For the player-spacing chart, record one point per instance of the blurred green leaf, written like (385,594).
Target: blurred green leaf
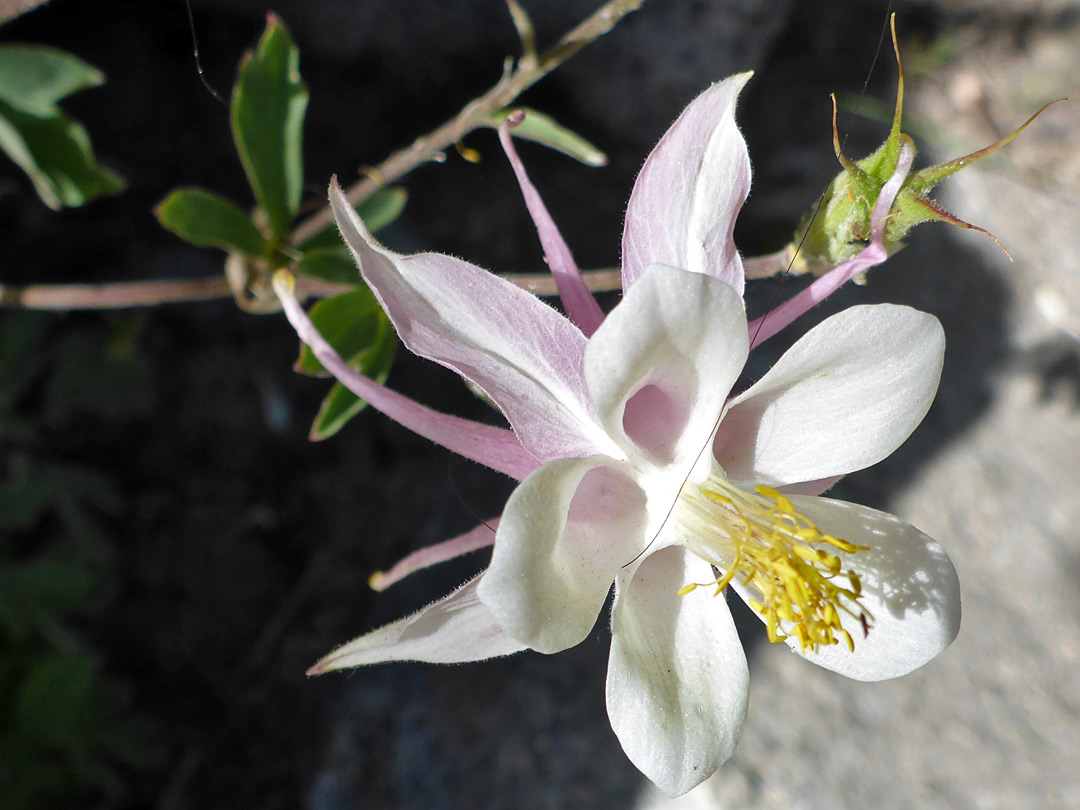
(377,211)
(31,487)
(360,332)
(58,584)
(206,219)
(55,153)
(267,117)
(55,703)
(34,78)
(335,265)
(546,130)
(95,376)
(53,149)
(20,353)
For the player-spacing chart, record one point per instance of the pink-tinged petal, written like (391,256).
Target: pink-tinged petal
(456,629)
(493,447)
(811,487)
(845,396)
(873,254)
(677,682)
(480,537)
(579,303)
(565,532)
(683,207)
(522,353)
(909,585)
(661,365)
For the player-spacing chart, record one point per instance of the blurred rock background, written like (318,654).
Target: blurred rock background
(237,553)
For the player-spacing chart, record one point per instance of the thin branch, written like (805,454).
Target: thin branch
(122,295)
(126,295)
(476,113)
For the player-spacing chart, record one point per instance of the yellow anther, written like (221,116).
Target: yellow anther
(761,537)
(848,639)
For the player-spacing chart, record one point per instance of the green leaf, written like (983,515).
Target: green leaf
(34,78)
(267,117)
(351,322)
(335,265)
(360,332)
(377,211)
(546,130)
(341,404)
(206,219)
(55,153)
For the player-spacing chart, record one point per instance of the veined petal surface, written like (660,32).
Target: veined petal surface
(565,532)
(845,396)
(677,682)
(453,630)
(684,203)
(661,365)
(521,352)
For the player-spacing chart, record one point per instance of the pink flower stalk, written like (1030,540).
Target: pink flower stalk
(639,470)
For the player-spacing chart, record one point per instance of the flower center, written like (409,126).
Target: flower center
(760,538)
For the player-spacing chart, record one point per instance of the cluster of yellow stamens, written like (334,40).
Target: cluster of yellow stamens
(777,552)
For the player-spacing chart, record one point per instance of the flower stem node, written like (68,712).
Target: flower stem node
(840,226)
(793,567)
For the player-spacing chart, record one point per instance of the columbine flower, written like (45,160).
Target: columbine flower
(637,469)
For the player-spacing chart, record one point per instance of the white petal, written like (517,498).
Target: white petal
(455,629)
(661,365)
(683,207)
(565,532)
(909,585)
(843,397)
(677,682)
(521,352)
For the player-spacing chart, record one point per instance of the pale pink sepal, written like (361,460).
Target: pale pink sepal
(522,353)
(480,537)
(579,303)
(497,448)
(453,630)
(873,254)
(683,207)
